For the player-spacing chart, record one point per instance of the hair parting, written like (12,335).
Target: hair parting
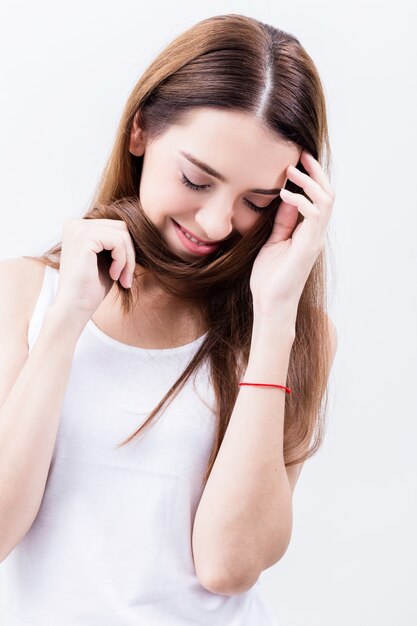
(205,66)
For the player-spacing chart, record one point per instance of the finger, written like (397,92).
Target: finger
(285,221)
(312,188)
(302,203)
(105,240)
(121,224)
(130,267)
(316,172)
(312,229)
(119,255)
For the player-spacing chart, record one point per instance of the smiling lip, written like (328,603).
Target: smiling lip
(199,249)
(209,243)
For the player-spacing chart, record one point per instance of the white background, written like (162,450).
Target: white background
(66,72)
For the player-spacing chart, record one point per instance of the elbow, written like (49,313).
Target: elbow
(236,573)
(219,582)
(226,587)
(281,548)
(274,552)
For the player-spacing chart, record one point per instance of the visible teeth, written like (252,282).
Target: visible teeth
(192,238)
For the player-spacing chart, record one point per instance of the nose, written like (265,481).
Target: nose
(215,221)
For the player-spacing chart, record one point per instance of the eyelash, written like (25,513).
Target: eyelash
(254,207)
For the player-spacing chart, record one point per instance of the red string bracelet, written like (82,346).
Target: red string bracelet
(287,389)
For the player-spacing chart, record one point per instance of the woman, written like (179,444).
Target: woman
(147,469)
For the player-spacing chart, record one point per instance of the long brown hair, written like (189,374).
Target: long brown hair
(229,62)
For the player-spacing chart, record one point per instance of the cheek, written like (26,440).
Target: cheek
(247,221)
(167,198)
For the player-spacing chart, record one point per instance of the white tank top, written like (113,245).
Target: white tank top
(111,543)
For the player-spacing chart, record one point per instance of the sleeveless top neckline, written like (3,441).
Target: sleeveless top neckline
(111,542)
(125,346)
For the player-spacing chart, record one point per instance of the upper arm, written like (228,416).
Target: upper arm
(293,471)
(20,281)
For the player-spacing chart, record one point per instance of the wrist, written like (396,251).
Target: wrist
(280,325)
(284,311)
(62,320)
(270,350)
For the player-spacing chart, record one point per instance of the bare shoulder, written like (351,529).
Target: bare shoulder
(20,283)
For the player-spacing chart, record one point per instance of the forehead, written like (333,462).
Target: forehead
(231,141)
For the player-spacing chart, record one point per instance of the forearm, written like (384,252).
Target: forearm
(244,518)
(29,420)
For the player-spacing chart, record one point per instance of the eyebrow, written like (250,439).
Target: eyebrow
(209,170)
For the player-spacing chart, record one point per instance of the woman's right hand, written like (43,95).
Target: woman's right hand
(85,278)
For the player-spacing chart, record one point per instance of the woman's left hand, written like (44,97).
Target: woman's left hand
(285,261)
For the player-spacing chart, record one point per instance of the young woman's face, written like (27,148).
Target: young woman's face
(247,157)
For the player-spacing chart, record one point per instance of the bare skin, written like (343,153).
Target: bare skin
(158,321)
(248,156)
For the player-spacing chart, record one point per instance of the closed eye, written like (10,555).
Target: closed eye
(254,207)
(188,183)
